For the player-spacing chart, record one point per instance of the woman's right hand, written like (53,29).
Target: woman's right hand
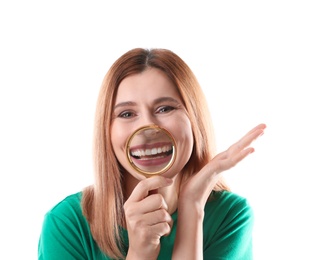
(147,218)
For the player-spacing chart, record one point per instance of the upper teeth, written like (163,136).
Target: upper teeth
(153,151)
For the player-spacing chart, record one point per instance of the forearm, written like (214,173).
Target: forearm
(189,234)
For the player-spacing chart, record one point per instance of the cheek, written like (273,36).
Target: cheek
(183,136)
(185,142)
(118,139)
(183,132)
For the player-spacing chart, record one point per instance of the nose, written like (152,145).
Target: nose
(148,119)
(151,132)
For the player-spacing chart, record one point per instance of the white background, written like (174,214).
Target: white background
(254,60)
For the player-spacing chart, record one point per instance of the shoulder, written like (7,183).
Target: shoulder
(226,206)
(65,232)
(67,207)
(228,226)
(65,222)
(226,200)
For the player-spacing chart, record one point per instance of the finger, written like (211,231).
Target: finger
(170,223)
(157,216)
(161,229)
(145,186)
(236,158)
(258,127)
(152,203)
(246,140)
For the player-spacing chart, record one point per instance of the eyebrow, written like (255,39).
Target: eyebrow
(124,104)
(156,101)
(166,99)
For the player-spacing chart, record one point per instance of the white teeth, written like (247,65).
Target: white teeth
(153,151)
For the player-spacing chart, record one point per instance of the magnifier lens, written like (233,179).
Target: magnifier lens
(151,150)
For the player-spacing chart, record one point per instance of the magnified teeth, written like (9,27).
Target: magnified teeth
(167,149)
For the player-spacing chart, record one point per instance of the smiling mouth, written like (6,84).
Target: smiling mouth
(152,153)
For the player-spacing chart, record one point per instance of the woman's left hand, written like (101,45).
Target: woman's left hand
(198,187)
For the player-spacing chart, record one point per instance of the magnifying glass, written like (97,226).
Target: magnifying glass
(151,150)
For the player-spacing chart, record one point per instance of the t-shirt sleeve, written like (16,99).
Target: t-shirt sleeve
(61,235)
(233,237)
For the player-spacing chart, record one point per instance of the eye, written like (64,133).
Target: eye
(126,114)
(165,109)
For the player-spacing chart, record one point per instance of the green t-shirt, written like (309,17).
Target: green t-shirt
(227,230)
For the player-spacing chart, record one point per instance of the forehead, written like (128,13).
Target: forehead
(150,84)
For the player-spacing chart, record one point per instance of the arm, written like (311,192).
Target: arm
(189,235)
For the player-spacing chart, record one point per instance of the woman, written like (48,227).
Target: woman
(188,212)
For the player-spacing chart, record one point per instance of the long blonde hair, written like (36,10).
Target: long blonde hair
(102,202)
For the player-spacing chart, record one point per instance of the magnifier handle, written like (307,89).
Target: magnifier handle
(155,191)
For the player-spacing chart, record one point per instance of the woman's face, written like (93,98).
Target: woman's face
(145,99)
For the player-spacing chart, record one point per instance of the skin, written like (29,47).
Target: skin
(151,98)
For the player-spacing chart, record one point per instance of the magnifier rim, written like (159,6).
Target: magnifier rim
(164,169)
